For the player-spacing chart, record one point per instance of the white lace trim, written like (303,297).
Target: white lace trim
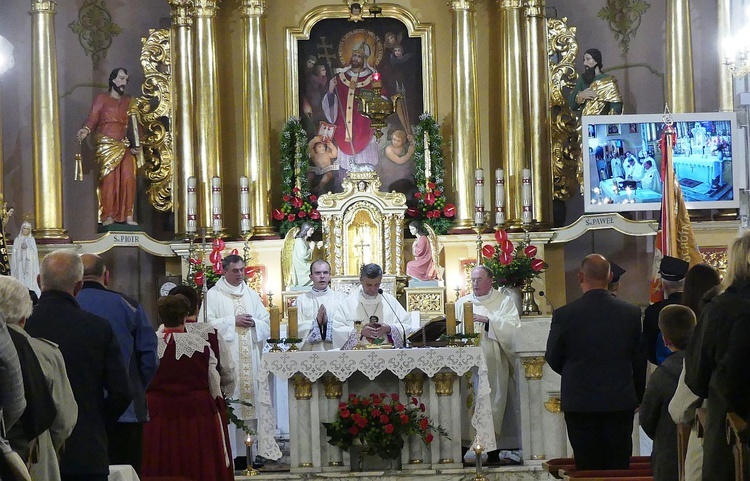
(203,329)
(185,344)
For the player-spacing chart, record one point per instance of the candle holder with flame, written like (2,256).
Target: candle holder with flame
(250,471)
(358,325)
(375,107)
(478,449)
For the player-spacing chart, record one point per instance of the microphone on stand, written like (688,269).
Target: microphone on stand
(403,329)
(541,293)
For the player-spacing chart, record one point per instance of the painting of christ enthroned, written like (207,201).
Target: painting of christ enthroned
(336,60)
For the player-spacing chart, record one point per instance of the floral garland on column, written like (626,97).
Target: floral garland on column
(298,204)
(431,206)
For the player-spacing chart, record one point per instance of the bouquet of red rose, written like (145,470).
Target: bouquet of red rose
(512,265)
(433,208)
(380,422)
(296,209)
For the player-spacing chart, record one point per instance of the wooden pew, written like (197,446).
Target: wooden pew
(736,434)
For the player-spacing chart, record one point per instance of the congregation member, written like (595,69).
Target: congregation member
(617,272)
(385,320)
(315,309)
(16,306)
(710,355)
(184,436)
(497,320)
(672,272)
(238,314)
(137,341)
(93,361)
(12,400)
(676,323)
(594,345)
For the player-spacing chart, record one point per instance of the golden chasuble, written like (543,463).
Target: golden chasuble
(606,92)
(245,368)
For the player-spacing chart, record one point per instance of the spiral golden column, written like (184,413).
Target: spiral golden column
(726,85)
(540,144)
(680,94)
(513,116)
(466,158)
(255,115)
(47,157)
(207,126)
(182,98)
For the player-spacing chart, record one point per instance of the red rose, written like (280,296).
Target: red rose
(400,407)
(291,217)
(342,405)
(287,197)
(429,198)
(353,430)
(537,265)
(505,258)
(404,418)
(315,215)
(313,198)
(355,401)
(387,408)
(394,396)
(218,245)
(295,190)
(428,439)
(507,246)
(488,251)
(417,195)
(345,413)
(530,251)
(383,395)
(277,214)
(365,402)
(422,407)
(437,193)
(500,236)
(449,210)
(362,422)
(384,418)
(376,401)
(198,278)
(352,396)
(388,428)
(431,185)
(301,214)
(423,423)
(376,412)
(414,401)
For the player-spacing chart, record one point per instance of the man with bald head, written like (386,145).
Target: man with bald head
(92,359)
(594,345)
(137,341)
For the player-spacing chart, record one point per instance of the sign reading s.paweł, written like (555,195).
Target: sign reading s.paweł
(599,221)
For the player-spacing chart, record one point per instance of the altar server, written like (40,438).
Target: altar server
(383,315)
(315,310)
(497,320)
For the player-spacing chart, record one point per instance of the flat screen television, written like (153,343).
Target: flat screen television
(621,159)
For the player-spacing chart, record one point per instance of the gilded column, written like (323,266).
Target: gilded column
(513,118)
(465,111)
(182,98)
(207,123)
(680,95)
(46,152)
(255,115)
(726,85)
(540,145)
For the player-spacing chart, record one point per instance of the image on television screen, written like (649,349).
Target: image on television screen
(622,161)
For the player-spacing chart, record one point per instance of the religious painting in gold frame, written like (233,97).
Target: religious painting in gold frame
(327,45)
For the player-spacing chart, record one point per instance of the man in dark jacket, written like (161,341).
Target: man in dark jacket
(672,272)
(93,362)
(594,345)
(137,341)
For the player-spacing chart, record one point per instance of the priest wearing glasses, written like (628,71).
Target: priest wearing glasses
(385,320)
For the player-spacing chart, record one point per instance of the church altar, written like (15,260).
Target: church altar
(318,381)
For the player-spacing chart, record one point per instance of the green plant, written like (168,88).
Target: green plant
(511,264)
(380,422)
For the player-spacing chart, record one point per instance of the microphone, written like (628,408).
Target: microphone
(403,329)
(541,293)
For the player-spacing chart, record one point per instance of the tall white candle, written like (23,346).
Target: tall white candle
(479,197)
(191,227)
(427,158)
(526,196)
(499,197)
(216,219)
(244,204)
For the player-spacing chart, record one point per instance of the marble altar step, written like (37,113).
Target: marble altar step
(508,473)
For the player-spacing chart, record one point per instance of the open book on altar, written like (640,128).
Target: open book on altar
(429,334)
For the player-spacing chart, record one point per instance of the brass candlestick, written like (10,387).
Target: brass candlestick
(250,471)
(358,326)
(479,229)
(458,292)
(478,452)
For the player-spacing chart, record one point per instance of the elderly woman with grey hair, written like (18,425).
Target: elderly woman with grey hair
(15,304)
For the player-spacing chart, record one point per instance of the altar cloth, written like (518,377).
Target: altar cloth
(372,363)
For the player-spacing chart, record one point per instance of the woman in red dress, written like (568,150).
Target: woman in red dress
(184,436)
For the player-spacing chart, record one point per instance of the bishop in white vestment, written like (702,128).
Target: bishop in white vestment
(237,313)
(315,310)
(497,320)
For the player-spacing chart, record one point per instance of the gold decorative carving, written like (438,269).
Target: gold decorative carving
(510,3)
(302,387)
(43,6)
(253,8)
(205,8)
(414,28)
(552,404)
(566,128)
(333,388)
(462,5)
(716,257)
(182,12)
(95,30)
(538,457)
(427,300)
(533,367)
(414,383)
(155,109)
(444,383)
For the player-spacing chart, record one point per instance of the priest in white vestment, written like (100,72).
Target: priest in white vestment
(651,179)
(315,310)
(496,319)
(367,302)
(242,320)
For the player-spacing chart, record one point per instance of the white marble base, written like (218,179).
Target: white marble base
(510,473)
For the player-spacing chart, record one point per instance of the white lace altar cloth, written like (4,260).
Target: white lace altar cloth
(372,363)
